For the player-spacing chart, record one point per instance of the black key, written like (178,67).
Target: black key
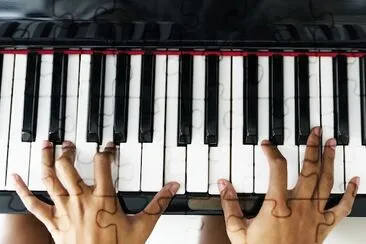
(250,106)
(363,98)
(58,98)
(185,100)
(96,98)
(147,98)
(276,122)
(340,93)
(212,100)
(31,97)
(302,108)
(122,95)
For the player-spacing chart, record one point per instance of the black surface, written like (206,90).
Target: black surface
(122,95)
(185,100)
(211,134)
(96,98)
(1,68)
(340,94)
(147,97)
(302,110)
(250,106)
(58,98)
(363,98)
(31,91)
(276,101)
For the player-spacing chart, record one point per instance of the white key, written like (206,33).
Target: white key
(108,118)
(219,157)
(19,152)
(43,121)
(314,100)
(261,163)
(326,64)
(289,149)
(355,153)
(5,105)
(197,151)
(175,157)
(72,88)
(153,153)
(241,155)
(130,152)
(85,150)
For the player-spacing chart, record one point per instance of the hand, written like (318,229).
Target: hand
(291,216)
(89,214)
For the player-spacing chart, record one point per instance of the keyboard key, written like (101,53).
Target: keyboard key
(197,151)
(31,97)
(340,100)
(130,152)
(302,122)
(153,153)
(175,155)
(276,99)
(58,98)
(261,165)
(122,92)
(242,161)
(96,99)
(18,162)
(185,100)
(43,118)
(219,156)
(362,98)
(5,110)
(147,98)
(211,100)
(250,66)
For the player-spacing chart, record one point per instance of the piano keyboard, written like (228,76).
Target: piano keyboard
(188,118)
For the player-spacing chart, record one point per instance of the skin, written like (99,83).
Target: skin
(77,216)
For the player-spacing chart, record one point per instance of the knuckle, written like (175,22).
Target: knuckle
(328,179)
(280,160)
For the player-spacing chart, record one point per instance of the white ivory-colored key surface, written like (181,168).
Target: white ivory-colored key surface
(355,153)
(261,164)
(327,114)
(175,157)
(130,152)
(289,149)
(85,150)
(43,121)
(197,151)
(152,167)
(72,88)
(241,155)
(314,100)
(5,105)
(108,118)
(219,157)
(19,152)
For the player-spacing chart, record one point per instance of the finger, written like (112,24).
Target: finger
(234,217)
(277,188)
(327,174)
(49,178)
(103,172)
(39,209)
(310,170)
(151,214)
(66,171)
(343,209)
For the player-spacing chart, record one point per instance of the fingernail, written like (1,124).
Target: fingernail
(357,181)
(110,145)
(173,187)
(332,143)
(221,184)
(317,131)
(266,143)
(15,178)
(67,144)
(46,144)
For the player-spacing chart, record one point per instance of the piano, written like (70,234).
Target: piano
(186,89)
